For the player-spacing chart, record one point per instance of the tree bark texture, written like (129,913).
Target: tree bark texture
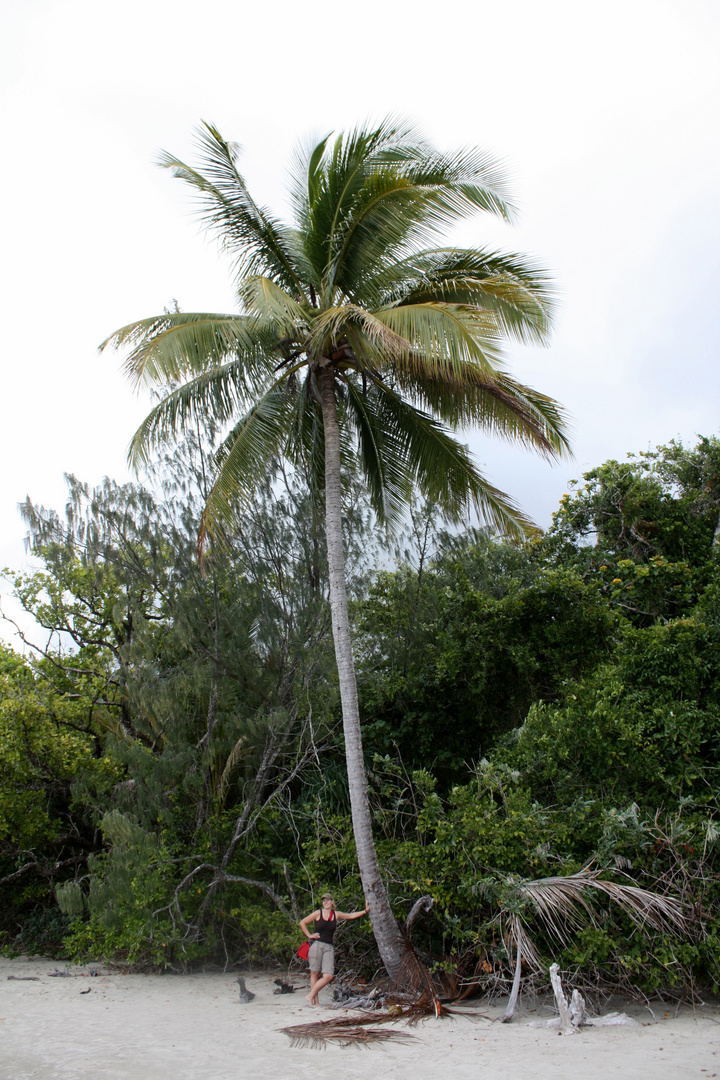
(387,932)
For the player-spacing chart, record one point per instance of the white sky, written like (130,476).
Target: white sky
(607,115)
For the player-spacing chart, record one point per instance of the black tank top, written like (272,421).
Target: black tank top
(326,928)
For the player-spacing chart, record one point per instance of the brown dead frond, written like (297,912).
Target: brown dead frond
(415,978)
(345,1031)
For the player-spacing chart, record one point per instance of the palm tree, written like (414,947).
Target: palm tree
(356,347)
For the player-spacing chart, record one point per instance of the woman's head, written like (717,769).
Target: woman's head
(327,902)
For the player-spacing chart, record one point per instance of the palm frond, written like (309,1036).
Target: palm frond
(415,978)
(381,341)
(258,240)
(214,394)
(463,182)
(381,457)
(518,291)
(447,341)
(304,176)
(515,935)
(443,468)
(270,306)
(238,752)
(246,454)
(373,194)
(306,444)
(496,404)
(564,904)
(345,1031)
(411,194)
(170,347)
(338,172)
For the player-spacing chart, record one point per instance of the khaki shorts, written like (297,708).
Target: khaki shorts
(322,957)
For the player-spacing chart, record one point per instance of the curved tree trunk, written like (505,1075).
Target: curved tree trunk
(387,932)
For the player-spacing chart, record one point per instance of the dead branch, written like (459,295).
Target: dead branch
(566,1026)
(425,903)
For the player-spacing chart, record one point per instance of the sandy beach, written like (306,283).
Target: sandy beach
(157,1027)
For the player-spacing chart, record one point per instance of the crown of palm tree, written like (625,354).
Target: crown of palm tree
(411,331)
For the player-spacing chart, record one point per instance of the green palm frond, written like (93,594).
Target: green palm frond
(259,241)
(389,216)
(335,176)
(406,204)
(306,444)
(246,455)
(447,341)
(381,455)
(371,196)
(271,307)
(443,469)
(304,178)
(306,439)
(496,404)
(464,182)
(518,291)
(177,345)
(379,340)
(215,393)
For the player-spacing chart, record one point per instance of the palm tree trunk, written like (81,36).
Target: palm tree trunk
(387,932)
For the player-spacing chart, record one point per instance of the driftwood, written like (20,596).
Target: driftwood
(613,1019)
(574,1016)
(578,1010)
(512,1003)
(346,999)
(425,904)
(245,994)
(566,1025)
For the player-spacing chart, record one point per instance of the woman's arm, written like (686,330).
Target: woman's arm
(304,925)
(351,915)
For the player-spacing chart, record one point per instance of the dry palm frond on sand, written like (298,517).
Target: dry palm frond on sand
(356,1030)
(345,1031)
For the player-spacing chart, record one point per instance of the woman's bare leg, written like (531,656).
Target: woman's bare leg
(316,987)
(314,976)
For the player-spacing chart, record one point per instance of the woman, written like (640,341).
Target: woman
(322,953)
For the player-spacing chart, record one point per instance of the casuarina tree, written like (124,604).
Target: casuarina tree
(360,346)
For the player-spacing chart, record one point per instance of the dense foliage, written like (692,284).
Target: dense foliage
(172,779)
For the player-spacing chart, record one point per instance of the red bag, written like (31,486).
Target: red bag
(304,950)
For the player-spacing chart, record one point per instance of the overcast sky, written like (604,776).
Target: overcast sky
(607,116)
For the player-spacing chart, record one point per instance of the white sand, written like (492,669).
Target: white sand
(167,1027)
